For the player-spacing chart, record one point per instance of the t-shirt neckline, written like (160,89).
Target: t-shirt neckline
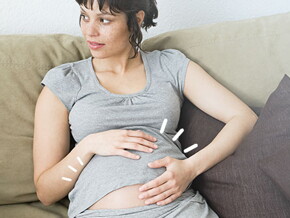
(148,78)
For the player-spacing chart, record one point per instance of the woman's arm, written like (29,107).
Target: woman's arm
(217,101)
(223,145)
(51,154)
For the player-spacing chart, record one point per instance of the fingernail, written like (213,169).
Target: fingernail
(155,146)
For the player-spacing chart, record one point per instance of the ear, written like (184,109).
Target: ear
(140,17)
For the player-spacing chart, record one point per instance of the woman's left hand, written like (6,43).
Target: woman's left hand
(170,185)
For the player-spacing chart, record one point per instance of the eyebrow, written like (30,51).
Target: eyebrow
(103,12)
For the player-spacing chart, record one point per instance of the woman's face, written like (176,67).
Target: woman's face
(106,29)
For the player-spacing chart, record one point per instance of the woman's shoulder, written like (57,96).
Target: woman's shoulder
(71,65)
(69,69)
(167,57)
(64,81)
(166,54)
(164,51)
(66,71)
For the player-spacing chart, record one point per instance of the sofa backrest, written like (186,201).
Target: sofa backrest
(249,57)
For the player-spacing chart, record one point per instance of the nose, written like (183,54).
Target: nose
(92,29)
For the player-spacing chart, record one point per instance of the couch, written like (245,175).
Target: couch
(249,57)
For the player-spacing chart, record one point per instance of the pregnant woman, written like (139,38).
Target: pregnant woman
(114,104)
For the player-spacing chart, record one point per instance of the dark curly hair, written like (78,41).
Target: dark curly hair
(130,8)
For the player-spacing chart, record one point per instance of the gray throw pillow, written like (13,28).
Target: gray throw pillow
(277,167)
(237,187)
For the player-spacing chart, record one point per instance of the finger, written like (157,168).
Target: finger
(134,146)
(160,197)
(169,199)
(160,163)
(155,183)
(141,134)
(128,154)
(141,141)
(155,191)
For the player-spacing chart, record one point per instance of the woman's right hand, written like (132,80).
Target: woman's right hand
(115,141)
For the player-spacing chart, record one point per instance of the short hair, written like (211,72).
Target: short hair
(130,8)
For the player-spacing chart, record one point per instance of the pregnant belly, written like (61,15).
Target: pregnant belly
(125,197)
(112,182)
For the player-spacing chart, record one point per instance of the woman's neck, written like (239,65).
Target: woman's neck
(119,64)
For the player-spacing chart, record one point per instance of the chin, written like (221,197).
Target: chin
(99,55)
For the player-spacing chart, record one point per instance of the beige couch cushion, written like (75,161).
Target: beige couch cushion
(248,57)
(33,210)
(24,60)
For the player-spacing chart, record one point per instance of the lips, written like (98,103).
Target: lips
(94,43)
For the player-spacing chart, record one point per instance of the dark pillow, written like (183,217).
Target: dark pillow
(237,187)
(277,168)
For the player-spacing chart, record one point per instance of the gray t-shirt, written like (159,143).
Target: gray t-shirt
(92,109)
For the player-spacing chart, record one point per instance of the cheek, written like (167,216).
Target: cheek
(84,29)
(107,33)
(116,34)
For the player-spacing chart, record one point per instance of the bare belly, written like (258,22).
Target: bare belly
(125,197)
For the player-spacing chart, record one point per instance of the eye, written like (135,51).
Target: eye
(82,15)
(105,21)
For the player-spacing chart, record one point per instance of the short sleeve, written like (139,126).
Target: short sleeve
(64,83)
(175,63)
